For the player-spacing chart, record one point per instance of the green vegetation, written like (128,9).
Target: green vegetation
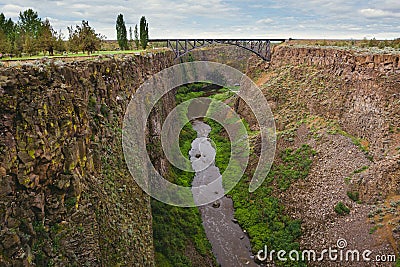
(363,168)
(144,32)
(353,195)
(187,92)
(341,208)
(130,37)
(84,38)
(121,33)
(70,202)
(222,144)
(223,94)
(260,213)
(47,238)
(179,177)
(39,244)
(296,165)
(318,125)
(137,42)
(348,179)
(78,54)
(175,228)
(375,227)
(31,37)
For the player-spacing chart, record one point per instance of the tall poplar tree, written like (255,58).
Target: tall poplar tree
(144,32)
(121,32)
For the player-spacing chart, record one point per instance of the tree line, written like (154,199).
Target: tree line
(31,35)
(141,39)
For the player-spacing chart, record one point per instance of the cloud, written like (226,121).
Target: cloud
(264,21)
(372,13)
(11,10)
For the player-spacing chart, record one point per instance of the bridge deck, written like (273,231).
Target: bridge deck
(218,39)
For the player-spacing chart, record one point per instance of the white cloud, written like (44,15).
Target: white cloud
(11,10)
(264,21)
(372,13)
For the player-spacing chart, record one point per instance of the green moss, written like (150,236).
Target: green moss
(45,109)
(31,153)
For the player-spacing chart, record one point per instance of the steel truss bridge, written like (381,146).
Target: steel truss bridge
(260,47)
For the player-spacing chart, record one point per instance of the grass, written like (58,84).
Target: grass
(79,54)
(374,228)
(363,168)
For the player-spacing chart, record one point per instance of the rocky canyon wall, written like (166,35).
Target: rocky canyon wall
(345,104)
(66,196)
(357,90)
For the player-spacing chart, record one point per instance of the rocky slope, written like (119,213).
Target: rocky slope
(346,105)
(66,196)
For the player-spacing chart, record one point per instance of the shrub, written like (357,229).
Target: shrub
(353,195)
(341,208)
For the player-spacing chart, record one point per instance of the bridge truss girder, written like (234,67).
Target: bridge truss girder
(260,47)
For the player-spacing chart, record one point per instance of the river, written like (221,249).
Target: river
(230,245)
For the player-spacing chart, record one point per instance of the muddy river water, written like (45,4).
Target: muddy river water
(230,245)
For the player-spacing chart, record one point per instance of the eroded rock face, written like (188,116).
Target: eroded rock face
(66,196)
(346,105)
(359,91)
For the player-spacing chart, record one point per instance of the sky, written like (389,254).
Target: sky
(314,19)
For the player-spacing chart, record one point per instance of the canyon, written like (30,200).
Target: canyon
(67,198)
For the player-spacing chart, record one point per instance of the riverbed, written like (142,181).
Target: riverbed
(230,245)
